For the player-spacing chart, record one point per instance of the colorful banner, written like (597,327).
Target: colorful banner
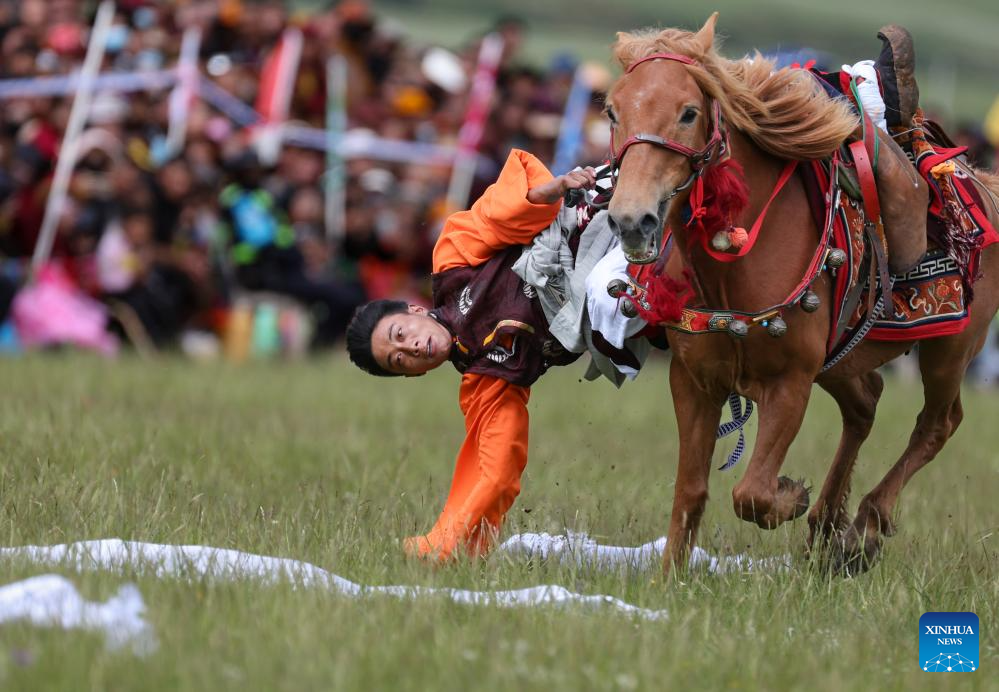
(277,85)
(185,92)
(69,148)
(479,105)
(351,145)
(120,82)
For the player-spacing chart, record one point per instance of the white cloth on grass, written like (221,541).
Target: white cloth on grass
(50,600)
(198,561)
(120,556)
(583,551)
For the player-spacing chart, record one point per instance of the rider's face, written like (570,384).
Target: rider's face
(410,343)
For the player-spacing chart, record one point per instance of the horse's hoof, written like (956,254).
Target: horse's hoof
(823,530)
(854,555)
(799,495)
(790,502)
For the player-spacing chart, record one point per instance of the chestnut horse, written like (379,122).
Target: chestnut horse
(670,106)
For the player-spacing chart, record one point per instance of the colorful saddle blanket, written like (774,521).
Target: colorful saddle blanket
(933,299)
(927,301)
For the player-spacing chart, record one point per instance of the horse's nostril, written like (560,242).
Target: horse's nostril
(649,223)
(612,222)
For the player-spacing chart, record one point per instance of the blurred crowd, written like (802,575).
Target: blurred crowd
(173,242)
(169,241)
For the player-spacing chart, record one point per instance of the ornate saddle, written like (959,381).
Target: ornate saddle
(933,299)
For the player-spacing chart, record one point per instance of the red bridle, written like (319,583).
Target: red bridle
(713,150)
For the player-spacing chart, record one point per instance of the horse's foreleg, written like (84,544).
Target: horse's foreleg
(761,496)
(697,417)
(857,398)
(904,197)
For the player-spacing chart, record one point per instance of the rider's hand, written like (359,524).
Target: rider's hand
(555,189)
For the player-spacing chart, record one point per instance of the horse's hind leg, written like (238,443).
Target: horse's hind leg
(761,496)
(857,398)
(942,363)
(942,370)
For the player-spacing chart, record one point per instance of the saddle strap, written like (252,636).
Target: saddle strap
(879,269)
(852,298)
(859,335)
(868,186)
(872,210)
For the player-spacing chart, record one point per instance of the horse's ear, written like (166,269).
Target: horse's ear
(622,37)
(706,36)
(621,48)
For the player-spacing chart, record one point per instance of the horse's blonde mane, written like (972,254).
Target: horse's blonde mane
(785,112)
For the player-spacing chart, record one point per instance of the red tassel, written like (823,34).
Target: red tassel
(725,196)
(666,298)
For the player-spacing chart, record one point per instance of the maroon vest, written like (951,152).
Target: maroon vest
(497,321)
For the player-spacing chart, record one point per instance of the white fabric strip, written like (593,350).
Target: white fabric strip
(52,600)
(582,550)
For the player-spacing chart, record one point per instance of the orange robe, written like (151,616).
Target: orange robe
(494,454)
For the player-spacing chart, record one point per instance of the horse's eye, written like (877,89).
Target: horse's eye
(610,116)
(689,116)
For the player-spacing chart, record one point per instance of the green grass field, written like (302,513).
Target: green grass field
(317,462)
(956,42)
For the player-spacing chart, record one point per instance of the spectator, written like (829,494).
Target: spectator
(267,255)
(216,222)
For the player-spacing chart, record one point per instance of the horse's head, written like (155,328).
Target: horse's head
(664,130)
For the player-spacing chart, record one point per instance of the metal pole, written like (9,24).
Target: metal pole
(70,143)
(336,125)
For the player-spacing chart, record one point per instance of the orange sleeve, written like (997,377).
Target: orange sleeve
(500,218)
(488,469)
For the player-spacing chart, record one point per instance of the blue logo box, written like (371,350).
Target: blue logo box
(948,642)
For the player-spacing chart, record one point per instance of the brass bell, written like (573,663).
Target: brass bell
(738,328)
(776,327)
(810,302)
(721,241)
(617,287)
(628,309)
(836,258)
